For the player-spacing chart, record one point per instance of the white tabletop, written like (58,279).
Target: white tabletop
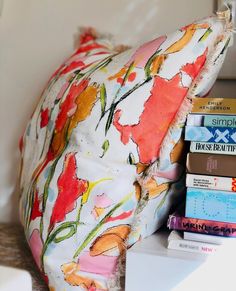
(151,266)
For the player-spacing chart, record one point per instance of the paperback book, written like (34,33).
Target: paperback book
(214,106)
(219,240)
(177,242)
(210,134)
(211,120)
(219,228)
(213,165)
(213,148)
(211,182)
(211,205)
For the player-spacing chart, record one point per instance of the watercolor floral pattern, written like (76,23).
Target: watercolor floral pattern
(102,152)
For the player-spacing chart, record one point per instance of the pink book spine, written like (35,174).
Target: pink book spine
(201,226)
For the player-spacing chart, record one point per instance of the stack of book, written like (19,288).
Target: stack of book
(210,208)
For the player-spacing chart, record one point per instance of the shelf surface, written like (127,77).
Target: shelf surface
(151,266)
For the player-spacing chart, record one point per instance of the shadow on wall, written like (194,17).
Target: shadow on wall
(224,89)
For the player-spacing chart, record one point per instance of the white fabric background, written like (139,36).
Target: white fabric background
(37,35)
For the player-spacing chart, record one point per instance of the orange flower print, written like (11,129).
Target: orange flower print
(72,277)
(111,239)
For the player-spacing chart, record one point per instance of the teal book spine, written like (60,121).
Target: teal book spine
(211,205)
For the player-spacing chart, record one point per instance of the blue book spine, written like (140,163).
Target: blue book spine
(210,134)
(211,205)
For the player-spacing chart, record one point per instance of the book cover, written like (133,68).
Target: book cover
(213,148)
(211,182)
(176,242)
(211,120)
(177,221)
(213,165)
(214,106)
(210,134)
(211,205)
(208,238)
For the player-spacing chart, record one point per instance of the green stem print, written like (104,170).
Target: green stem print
(91,186)
(95,231)
(113,106)
(54,237)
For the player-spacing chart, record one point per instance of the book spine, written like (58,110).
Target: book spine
(192,246)
(211,205)
(214,106)
(211,120)
(213,165)
(207,238)
(214,148)
(211,182)
(197,225)
(210,134)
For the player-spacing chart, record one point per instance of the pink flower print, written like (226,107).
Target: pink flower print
(101,264)
(36,246)
(101,202)
(144,52)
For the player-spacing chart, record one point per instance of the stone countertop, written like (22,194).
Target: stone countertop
(14,252)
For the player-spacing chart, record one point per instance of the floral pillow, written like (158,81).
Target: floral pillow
(102,152)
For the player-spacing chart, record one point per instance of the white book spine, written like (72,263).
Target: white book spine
(213,148)
(195,119)
(211,182)
(213,239)
(192,246)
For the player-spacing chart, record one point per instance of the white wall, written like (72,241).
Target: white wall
(36,35)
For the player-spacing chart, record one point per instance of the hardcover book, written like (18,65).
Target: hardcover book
(214,106)
(176,242)
(211,182)
(210,134)
(208,238)
(213,165)
(211,205)
(219,228)
(213,148)
(211,120)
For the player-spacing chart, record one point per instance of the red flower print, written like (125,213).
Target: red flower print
(73,66)
(89,47)
(70,188)
(88,34)
(119,80)
(44,117)
(192,69)
(36,212)
(159,110)
(68,106)
(132,77)
(123,215)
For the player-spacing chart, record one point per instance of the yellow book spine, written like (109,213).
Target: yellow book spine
(214,105)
